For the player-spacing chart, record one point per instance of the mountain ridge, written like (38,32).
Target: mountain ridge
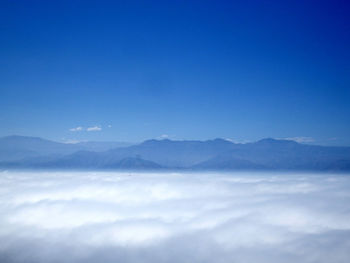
(216,154)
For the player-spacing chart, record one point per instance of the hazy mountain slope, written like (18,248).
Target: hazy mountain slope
(215,154)
(15,147)
(175,153)
(19,147)
(101,146)
(82,160)
(132,163)
(163,153)
(227,162)
(283,154)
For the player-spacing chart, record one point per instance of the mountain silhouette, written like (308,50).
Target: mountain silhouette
(217,154)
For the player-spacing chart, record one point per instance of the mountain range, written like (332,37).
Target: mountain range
(21,152)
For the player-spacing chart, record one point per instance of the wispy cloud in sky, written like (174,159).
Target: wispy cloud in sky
(76,129)
(127,217)
(94,128)
(89,129)
(70,141)
(299,139)
(237,141)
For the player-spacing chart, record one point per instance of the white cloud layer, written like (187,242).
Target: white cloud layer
(173,217)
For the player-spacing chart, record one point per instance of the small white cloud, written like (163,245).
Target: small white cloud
(237,141)
(300,139)
(94,128)
(71,141)
(76,129)
(164,136)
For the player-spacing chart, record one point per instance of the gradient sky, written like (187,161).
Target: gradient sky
(242,70)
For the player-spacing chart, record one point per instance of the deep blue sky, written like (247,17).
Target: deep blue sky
(243,70)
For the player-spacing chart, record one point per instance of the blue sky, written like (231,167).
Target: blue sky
(136,70)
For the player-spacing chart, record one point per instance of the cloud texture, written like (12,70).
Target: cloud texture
(89,129)
(94,128)
(76,129)
(300,139)
(173,217)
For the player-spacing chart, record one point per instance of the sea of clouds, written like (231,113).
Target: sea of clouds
(174,217)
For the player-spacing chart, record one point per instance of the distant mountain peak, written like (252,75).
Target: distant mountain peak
(269,153)
(216,140)
(153,141)
(220,140)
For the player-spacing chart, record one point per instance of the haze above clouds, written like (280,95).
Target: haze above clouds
(173,217)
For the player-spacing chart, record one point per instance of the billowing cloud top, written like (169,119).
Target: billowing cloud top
(173,217)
